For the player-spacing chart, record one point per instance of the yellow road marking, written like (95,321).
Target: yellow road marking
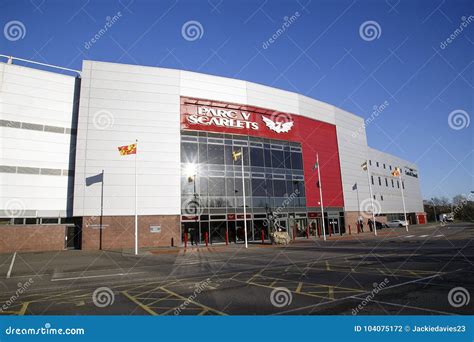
(300,285)
(143,306)
(192,301)
(23,308)
(331,292)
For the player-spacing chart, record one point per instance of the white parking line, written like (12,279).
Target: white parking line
(409,236)
(423,235)
(11,266)
(96,276)
(440,235)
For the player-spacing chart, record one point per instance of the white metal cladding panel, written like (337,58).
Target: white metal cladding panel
(271,98)
(21,147)
(33,192)
(352,154)
(392,201)
(213,87)
(147,110)
(38,97)
(316,110)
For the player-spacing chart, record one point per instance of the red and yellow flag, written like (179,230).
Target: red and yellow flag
(128,149)
(396,172)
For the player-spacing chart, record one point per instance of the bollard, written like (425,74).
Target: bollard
(226,237)
(350,233)
(185,239)
(263,236)
(307,232)
(206,238)
(319,231)
(330,230)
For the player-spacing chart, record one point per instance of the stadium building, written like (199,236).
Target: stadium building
(64,184)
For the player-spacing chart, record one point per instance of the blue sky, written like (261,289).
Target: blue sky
(323,54)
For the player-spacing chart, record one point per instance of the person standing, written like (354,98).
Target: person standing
(371,224)
(360,220)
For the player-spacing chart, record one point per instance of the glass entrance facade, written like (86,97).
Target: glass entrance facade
(212,189)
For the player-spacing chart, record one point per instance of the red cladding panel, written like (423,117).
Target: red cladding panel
(314,137)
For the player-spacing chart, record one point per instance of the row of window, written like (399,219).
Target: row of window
(378,165)
(36,220)
(386,182)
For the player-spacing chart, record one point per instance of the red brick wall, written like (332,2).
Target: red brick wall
(32,238)
(119,231)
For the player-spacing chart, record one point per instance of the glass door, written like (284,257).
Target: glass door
(334,225)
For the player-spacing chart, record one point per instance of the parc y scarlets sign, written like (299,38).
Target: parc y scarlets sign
(230,118)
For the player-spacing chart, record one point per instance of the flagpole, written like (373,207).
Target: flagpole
(371,198)
(243,193)
(136,199)
(321,195)
(403,199)
(358,201)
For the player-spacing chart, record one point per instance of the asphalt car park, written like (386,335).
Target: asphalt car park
(396,272)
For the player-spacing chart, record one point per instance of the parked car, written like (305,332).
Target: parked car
(380,225)
(397,223)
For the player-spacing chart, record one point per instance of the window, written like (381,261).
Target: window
(390,167)
(380,181)
(377,164)
(398,184)
(256,157)
(393,184)
(34,221)
(372,179)
(259,188)
(370,162)
(374,196)
(277,159)
(216,186)
(189,153)
(296,161)
(215,154)
(384,166)
(381,197)
(403,185)
(279,187)
(386,182)
(49,220)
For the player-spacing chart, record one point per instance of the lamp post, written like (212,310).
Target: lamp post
(191,173)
